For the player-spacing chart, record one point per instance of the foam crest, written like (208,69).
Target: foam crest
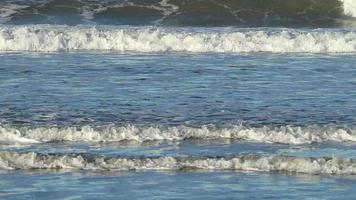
(145,39)
(285,135)
(12,160)
(349,7)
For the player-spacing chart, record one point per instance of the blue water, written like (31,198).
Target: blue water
(167,99)
(78,89)
(46,90)
(173,185)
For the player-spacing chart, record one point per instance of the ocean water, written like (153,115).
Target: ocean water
(166,99)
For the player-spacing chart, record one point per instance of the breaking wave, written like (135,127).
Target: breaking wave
(325,165)
(285,134)
(145,39)
(179,12)
(349,7)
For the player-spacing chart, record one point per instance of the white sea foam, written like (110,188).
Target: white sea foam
(286,135)
(12,160)
(349,7)
(147,39)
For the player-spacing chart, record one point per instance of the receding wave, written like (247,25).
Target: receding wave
(179,12)
(325,165)
(284,134)
(146,39)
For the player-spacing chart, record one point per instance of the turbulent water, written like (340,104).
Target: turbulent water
(250,163)
(287,135)
(187,99)
(123,39)
(244,13)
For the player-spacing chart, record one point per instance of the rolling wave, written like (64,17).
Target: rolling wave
(284,134)
(179,12)
(32,160)
(145,39)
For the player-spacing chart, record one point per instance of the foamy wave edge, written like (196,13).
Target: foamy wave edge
(349,7)
(32,160)
(51,38)
(283,135)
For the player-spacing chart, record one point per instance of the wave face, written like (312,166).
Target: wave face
(321,13)
(12,160)
(285,135)
(64,38)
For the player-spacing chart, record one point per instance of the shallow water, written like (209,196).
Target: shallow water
(242,101)
(172,185)
(177,99)
(78,89)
